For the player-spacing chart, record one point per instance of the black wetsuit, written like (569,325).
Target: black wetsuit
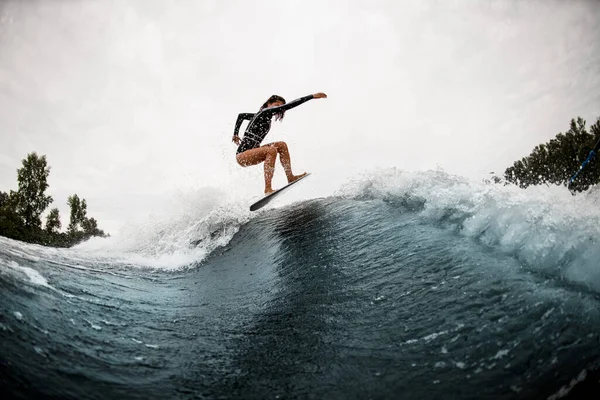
(260,123)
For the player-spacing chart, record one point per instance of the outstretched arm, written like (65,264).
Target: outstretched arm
(297,102)
(238,123)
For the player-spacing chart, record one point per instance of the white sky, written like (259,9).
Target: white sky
(134,101)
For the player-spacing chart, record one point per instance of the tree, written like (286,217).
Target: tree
(53,224)
(20,211)
(31,200)
(11,224)
(78,213)
(80,226)
(556,161)
(3,198)
(90,227)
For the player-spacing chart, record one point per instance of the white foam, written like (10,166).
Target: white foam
(40,351)
(34,276)
(434,335)
(460,365)
(500,354)
(542,226)
(94,326)
(565,390)
(191,227)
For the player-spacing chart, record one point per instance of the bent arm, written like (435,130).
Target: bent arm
(240,119)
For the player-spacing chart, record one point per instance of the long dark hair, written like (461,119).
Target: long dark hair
(278,116)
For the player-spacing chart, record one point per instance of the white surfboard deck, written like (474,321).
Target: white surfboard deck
(265,200)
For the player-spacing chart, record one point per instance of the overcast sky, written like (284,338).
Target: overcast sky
(133,102)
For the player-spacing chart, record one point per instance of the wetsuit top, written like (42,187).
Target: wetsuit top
(260,123)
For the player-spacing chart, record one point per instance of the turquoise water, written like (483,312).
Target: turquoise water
(401,285)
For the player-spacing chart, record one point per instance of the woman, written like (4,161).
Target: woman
(250,152)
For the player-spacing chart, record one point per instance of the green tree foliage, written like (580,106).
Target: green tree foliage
(20,211)
(53,221)
(556,161)
(11,224)
(90,228)
(33,182)
(3,198)
(80,226)
(78,213)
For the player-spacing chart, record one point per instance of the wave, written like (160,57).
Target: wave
(546,228)
(182,235)
(419,269)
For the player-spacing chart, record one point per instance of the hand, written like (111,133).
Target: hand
(236,139)
(320,95)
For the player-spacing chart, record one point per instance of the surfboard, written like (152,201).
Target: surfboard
(265,200)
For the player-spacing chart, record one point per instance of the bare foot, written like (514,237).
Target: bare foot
(296,177)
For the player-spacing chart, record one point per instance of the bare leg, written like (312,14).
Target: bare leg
(266,154)
(269,167)
(286,162)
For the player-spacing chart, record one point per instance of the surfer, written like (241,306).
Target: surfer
(250,152)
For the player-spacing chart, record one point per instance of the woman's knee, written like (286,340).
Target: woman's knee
(271,152)
(239,159)
(280,146)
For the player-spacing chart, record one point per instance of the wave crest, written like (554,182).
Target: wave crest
(546,228)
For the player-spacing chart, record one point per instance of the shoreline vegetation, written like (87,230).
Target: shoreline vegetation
(553,162)
(21,211)
(556,161)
